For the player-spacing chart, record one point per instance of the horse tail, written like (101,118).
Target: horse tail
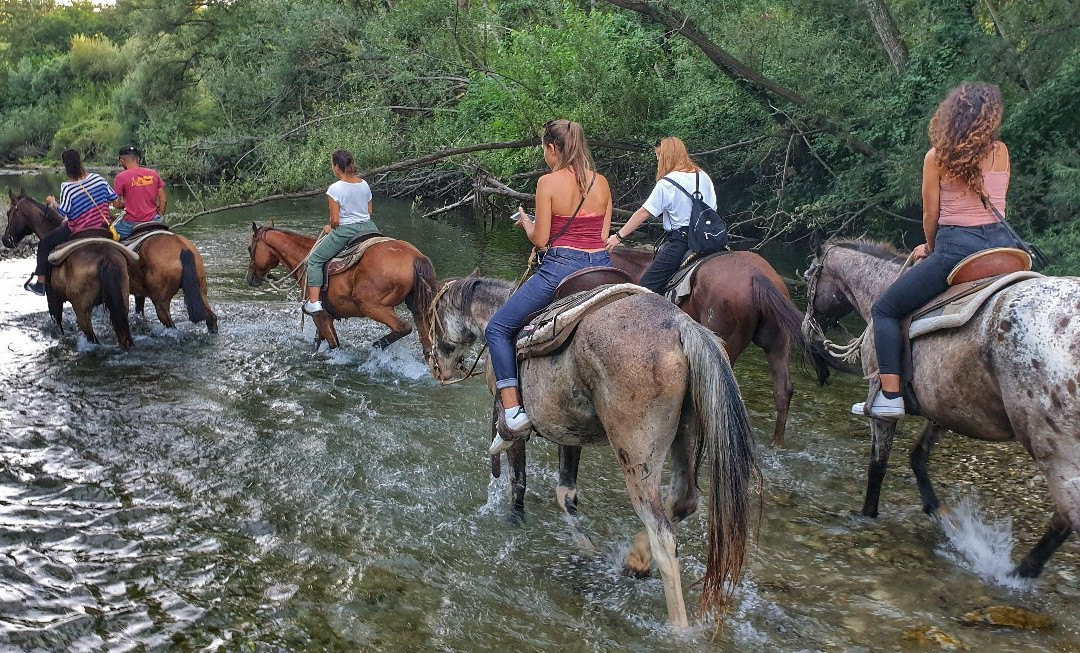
(113,277)
(423,292)
(189,280)
(724,433)
(778,308)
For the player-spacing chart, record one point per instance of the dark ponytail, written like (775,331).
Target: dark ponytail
(343,159)
(569,139)
(73,164)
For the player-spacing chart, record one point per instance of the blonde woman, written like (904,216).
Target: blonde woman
(573,216)
(676,175)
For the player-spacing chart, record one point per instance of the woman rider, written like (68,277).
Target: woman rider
(573,215)
(965,178)
(350,215)
(673,163)
(84,204)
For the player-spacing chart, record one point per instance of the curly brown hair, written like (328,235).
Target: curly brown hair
(963,131)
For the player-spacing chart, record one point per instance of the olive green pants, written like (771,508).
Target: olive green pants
(330,247)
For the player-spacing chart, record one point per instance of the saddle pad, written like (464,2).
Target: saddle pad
(63,251)
(954,308)
(682,281)
(555,324)
(352,254)
(137,240)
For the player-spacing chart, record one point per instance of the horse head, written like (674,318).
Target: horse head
(261,256)
(826,299)
(19,225)
(450,329)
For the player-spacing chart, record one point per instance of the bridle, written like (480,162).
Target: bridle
(9,240)
(290,280)
(434,325)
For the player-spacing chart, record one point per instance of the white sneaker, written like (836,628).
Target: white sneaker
(517,425)
(311,308)
(883,408)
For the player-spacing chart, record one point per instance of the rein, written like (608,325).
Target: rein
(291,279)
(849,351)
(433,325)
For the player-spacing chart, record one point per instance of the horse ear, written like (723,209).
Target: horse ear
(815,242)
(11,194)
(270,225)
(475,272)
(254,227)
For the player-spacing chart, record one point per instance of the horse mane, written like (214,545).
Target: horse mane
(877,249)
(465,291)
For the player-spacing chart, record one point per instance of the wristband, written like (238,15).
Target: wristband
(618,235)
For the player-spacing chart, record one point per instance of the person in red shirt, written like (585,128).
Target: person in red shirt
(141,191)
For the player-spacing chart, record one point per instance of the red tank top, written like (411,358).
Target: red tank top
(584,232)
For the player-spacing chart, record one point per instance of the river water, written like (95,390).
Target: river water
(240,492)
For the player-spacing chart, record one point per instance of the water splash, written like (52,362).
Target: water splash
(981,546)
(398,359)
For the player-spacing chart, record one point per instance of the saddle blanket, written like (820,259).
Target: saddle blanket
(554,326)
(956,306)
(352,254)
(681,282)
(139,237)
(63,251)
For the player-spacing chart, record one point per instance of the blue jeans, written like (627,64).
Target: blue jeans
(926,280)
(124,228)
(533,295)
(666,263)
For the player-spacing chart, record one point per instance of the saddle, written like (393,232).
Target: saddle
(589,278)
(681,282)
(143,232)
(89,237)
(354,250)
(553,327)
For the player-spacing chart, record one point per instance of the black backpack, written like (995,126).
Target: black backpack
(708,231)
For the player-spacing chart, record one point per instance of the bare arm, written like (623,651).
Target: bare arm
(335,215)
(635,221)
(931,196)
(162,201)
(540,230)
(607,212)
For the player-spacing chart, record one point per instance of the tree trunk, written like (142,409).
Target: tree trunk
(888,33)
(765,90)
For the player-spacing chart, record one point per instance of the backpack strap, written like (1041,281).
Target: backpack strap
(677,185)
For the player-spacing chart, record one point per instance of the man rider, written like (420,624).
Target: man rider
(141,191)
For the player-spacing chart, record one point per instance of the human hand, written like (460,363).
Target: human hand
(50,200)
(922,251)
(327,229)
(612,242)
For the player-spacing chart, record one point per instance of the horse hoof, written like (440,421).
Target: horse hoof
(516,518)
(636,566)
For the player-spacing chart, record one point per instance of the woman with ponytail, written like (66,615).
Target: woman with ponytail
(573,216)
(350,215)
(965,179)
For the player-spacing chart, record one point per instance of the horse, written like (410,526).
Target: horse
(166,264)
(388,274)
(741,298)
(1010,373)
(643,377)
(93,274)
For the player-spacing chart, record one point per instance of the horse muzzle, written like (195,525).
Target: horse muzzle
(254,281)
(9,242)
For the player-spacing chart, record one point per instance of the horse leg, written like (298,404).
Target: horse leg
(1056,533)
(140,306)
(645,497)
(163,307)
(515,456)
(779,354)
(920,465)
(882,434)
(388,316)
(86,324)
(566,494)
(56,309)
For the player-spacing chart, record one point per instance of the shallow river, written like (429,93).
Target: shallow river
(241,492)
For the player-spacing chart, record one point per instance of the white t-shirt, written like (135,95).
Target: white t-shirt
(353,198)
(673,204)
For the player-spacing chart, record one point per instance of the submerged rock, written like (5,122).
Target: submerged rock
(1007,617)
(932,636)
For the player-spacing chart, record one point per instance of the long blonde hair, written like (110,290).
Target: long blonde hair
(568,137)
(671,155)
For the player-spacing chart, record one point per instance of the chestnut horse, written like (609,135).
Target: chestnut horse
(91,275)
(167,263)
(388,274)
(741,298)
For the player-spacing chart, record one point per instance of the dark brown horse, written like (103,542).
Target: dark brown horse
(740,297)
(167,263)
(91,275)
(388,274)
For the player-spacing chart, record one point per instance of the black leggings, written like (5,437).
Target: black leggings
(667,261)
(924,281)
(46,246)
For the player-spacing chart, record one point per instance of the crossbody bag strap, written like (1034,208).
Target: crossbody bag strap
(575,215)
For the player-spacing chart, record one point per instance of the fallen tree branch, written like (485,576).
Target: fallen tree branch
(450,207)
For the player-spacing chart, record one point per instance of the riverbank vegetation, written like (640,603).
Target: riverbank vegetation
(811,113)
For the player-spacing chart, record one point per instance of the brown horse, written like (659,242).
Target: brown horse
(91,275)
(167,263)
(741,298)
(388,274)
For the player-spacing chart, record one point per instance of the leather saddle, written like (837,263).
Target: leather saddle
(353,251)
(681,283)
(553,327)
(86,238)
(143,232)
(589,278)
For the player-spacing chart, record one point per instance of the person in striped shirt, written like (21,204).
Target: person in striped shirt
(84,204)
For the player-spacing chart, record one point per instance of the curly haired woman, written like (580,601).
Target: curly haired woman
(965,178)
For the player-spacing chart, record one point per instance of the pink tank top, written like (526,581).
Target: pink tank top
(962,207)
(584,232)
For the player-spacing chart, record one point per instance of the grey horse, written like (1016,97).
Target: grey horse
(1010,373)
(643,377)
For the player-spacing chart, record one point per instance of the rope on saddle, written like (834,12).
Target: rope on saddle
(848,352)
